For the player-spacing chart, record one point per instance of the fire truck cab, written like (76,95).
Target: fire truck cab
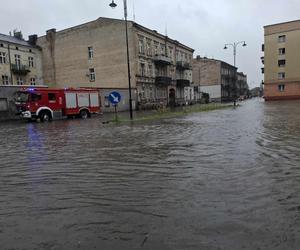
(49,103)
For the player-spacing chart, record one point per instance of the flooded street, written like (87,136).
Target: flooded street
(225,179)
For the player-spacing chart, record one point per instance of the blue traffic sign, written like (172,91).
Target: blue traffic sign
(114,97)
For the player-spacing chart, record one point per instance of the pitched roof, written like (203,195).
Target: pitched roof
(14,40)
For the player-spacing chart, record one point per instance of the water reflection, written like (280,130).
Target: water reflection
(226,179)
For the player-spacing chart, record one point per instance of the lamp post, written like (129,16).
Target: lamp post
(113,5)
(234,45)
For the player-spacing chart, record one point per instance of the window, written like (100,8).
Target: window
(51,97)
(281,63)
(30,50)
(171,52)
(32,81)
(2,57)
(92,75)
(281,39)
(5,80)
(142,69)
(19,80)
(281,75)
(36,97)
(163,48)
(141,46)
(18,61)
(281,87)
(281,51)
(149,51)
(1,45)
(156,48)
(30,62)
(17,48)
(150,68)
(90,52)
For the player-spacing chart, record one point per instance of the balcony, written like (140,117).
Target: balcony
(162,60)
(163,80)
(180,65)
(20,69)
(183,83)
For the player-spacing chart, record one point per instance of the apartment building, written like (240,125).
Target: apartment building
(94,55)
(281,61)
(242,85)
(20,60)
(20,64)
(215,77)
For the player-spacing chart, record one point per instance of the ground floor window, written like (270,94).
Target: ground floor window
(20,80)
(281,87)
(5,80)
(32,81)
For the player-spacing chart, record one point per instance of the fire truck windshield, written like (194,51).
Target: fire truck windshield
(22,97)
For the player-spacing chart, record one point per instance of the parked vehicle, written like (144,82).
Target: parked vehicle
(49,103)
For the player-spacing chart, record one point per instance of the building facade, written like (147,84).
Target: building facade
(20,65)
(281,61)
(242,85)
(20,60)
(94,55)
(215,77)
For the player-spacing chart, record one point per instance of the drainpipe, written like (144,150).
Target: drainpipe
(9,58)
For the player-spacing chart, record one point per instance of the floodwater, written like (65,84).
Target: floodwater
(226,179)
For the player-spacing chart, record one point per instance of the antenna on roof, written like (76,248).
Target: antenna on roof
(133,10)
(166,30)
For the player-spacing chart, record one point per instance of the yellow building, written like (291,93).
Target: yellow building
(281,61)
(93,54)
(20,60)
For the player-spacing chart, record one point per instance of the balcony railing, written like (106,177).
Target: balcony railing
(162,60)
(20,69)
(163,80)
(183,65)
(183,83)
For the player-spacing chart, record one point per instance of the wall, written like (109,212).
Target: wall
(214,91)
(7,103)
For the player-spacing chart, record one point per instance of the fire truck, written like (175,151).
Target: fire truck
(50,103)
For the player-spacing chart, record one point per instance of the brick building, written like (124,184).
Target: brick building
(94,55)
(215,77)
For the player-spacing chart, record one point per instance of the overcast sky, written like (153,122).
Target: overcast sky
(205,25)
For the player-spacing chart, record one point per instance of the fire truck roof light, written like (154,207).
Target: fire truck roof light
(31,89)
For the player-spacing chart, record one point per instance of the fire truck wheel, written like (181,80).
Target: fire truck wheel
(84,114)
(45,116)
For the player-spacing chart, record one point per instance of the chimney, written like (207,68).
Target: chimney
(32,39)
(50,31)
(198,57)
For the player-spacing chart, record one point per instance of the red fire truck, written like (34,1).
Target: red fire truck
(49,103)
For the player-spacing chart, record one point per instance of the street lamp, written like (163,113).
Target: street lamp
(113,5)
(234,45)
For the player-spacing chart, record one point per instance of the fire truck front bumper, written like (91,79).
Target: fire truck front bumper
(26,115)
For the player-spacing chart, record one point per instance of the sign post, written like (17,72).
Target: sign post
(114,98)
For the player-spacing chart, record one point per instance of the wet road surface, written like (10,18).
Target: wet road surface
(226,179)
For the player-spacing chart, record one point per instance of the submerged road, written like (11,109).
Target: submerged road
(225,179)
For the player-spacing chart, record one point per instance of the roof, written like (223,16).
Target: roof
(14,40)
(213,60)
(294,21)
(155,33)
